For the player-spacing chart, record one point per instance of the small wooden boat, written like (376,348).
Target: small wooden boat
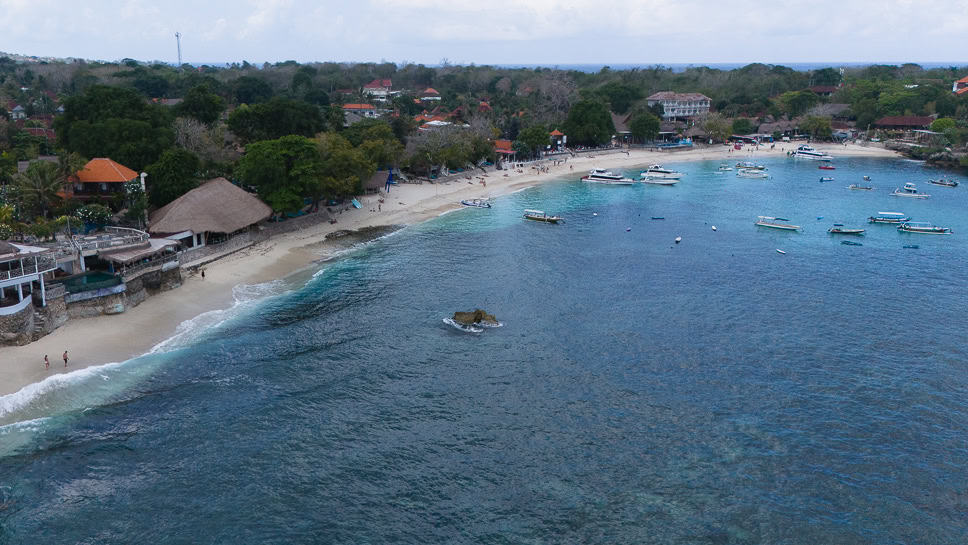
(826,179)
(860,187)
(923,228)
(775,223)
(751,173)
(888,217)
(943,182)
(827,167)
(839,229)
(539,215)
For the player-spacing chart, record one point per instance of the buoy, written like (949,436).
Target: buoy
(714,227)
(594,213)
(678,240)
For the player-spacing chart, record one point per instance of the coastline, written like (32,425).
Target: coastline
(106,339)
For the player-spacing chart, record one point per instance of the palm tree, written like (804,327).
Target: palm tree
(37,187)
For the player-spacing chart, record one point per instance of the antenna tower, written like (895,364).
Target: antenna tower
(178,41)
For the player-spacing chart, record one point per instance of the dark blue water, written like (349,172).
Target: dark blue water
(711,392)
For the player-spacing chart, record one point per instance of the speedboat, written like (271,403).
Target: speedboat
(725,168)
(826,178)
(659,181)
(889,217)
(658,171)
(476,203)
(602,176)
(751,173)
(776,223)
(839,229)
(911,191)
(923,228)
(539,215)
(806,152)
(860,187)
(946,183)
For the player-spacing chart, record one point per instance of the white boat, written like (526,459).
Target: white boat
(659,181)
(807,152)
(750,166)
(658,171)
(476,203)
(602,176)
(861,187)
(911,191)
(539,215)
(923,228)
(751,173)
(889,217)
(725,168)
(776,223)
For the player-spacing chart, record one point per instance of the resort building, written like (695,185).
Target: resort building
(429,94)
(100,177)
(677,105)
(24,272)
(904,122)
(210,213)
(960,87)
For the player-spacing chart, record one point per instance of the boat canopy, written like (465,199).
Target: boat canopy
(534,211)
(898,214)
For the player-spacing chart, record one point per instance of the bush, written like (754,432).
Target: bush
(94,214)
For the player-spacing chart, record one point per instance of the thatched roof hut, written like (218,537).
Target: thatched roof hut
(216,206)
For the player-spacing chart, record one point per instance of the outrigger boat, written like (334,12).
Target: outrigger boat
(539,215)
(946,183)
(923,228)
(750,166)
(476,203)
(775,223)
(839,229)
(889,217)
(861,187)
(911,191)
(751,173)
(826,179)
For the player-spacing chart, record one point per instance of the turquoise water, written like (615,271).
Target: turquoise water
(640,391)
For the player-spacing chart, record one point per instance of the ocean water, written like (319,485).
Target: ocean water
(640,391)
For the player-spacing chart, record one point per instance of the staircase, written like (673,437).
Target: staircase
(40,326)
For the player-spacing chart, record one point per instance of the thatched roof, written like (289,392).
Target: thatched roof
(217,206)
(377,181)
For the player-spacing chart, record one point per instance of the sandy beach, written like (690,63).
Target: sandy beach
(105,339)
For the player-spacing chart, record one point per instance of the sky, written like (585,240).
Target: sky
(544,32)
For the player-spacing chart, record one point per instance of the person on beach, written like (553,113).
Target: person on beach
(65,358)
(46,362)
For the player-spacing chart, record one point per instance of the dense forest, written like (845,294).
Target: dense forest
(281,130)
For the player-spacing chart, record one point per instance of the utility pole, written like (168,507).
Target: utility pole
(178,41)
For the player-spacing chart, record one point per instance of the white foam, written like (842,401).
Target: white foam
(522,189)
(29,393)
(445,212)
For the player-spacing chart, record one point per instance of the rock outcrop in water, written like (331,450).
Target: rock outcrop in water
(477,317)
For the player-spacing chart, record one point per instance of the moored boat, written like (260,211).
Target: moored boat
(750,166)
(827,167)
(540,215)
(807,152)
(923,228)
(725,168)
(602,176)
(659,181)
(910,191)
(751,173)
(660,172)
(860,187)
(944,182)
(826,179)
(476,203)
(776,223)
(889,217)
(839,229)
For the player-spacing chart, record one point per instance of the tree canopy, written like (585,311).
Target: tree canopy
(274,119)
(589,123)
(174,174)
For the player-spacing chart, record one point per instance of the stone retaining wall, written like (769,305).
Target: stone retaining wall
(17,328)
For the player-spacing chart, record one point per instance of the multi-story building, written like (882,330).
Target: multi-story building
(678,105)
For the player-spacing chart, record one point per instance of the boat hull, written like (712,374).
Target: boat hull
(593,180)
(659,181)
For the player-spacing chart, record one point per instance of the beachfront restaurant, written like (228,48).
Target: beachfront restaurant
(208,214)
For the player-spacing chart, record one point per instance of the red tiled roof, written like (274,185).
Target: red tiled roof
(358,107)
(904,121)
(430,91)
(502,145)
(962,91)
(556,132)
(822,89)
(963,80)
(379,84)
(103,170)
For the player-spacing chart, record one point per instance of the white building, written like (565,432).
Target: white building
(676,105)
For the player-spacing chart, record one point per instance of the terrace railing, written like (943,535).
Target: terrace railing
(120,236)
(133,271)
(30,265)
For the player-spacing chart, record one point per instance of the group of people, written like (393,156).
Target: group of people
(47,360)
